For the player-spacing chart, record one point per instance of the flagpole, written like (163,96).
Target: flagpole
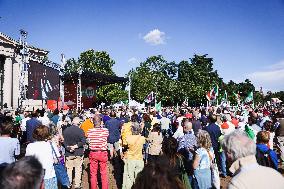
(129,98)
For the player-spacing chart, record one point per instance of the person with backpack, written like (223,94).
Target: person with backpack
(264,155)
(250,130)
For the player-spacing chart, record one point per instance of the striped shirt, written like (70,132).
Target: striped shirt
(98,138)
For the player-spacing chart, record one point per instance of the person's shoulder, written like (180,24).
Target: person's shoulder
(200,151)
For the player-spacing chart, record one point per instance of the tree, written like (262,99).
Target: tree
(155,74)
(196,78)
(100,62)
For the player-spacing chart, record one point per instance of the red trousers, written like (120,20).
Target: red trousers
(99,157)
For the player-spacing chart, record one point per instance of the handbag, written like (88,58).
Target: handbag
(60,171)
(215,178)
(184,175)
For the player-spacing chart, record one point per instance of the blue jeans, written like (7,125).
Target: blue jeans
(223,163)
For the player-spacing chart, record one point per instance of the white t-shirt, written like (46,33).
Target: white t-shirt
(44,120)
(9,147)
(165,123)
(24,123)
(179,132)
(43,151)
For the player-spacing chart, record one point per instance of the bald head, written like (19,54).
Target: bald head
(187,127)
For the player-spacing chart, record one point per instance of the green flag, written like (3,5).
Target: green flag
(225,97)
(158,106)
(249,98)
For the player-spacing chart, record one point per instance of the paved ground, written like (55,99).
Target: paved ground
(115,176)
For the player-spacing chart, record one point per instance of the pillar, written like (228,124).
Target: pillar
(16,84)
(7,85)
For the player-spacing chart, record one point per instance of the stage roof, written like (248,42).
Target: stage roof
(93,77)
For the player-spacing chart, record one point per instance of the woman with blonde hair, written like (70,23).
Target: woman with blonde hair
(202,161)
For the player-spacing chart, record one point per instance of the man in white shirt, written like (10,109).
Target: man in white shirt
(165,123)
(44,119)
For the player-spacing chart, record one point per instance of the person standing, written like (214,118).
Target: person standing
(155,140)
(42,150)
(43,118)
(87,124)
(55,117)
(31,125)
(74,141)
(9,147)
(165,124)
(247,173)
(133,157)
(215,132)
(113,126)
(97,138)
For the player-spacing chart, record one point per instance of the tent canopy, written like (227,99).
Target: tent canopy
(94,77)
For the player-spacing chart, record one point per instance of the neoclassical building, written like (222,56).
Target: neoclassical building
(40,77)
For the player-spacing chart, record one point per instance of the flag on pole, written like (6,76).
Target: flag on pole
(249,98)
(212,95)
(185,102)
(237,96)
(150,97)
(158,106)
(208,96)
(225,97)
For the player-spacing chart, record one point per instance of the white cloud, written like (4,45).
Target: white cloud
(270,79)
(155,37)
(132,60)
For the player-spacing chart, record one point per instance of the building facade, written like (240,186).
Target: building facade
(12,69)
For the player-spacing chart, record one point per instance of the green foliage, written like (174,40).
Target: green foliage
(100,62)
(155,74)
(173,82)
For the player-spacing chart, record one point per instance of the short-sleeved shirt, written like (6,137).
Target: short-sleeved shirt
(86,125)
(43,151)
(187,141)
(9,147)
(204,162)
(165,123)
(135,145)
(125,132)
(98,138)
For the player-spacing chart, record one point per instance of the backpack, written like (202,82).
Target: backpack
(263,158)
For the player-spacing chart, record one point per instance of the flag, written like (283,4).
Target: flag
(208,96)
(150,97)
(225,97)
(212,95)
(249,98)
(185,102)
(237,96)
(158,106)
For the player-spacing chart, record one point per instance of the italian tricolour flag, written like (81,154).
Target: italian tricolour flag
(212,95)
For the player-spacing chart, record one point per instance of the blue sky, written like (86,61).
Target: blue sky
(245,38)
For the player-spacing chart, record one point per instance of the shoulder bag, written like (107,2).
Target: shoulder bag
(214,172)
(60,171)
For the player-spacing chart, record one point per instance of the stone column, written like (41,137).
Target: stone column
(16,80)
(7,85)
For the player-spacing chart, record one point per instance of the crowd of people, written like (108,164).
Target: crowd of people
(192,147)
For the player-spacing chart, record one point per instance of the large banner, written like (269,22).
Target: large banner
(88,94)
(43,82)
